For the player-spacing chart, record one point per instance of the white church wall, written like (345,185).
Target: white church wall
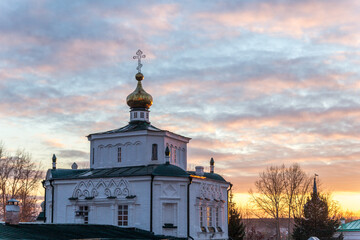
(61,194)
(101,209)
(159,141)
(208,196)
(170,206)
(141,208)
(105,154)
(137,150)
(169,203)
(48,205)
(178,150)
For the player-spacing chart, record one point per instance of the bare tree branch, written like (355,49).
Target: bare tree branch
(19,178)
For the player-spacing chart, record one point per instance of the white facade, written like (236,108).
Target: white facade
(136,148)
(169,204)
(131,183)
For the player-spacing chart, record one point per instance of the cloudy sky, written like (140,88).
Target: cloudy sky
(253,83)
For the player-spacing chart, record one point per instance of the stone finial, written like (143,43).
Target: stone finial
(212,163)
(167,155)
(74,166)
(54,161)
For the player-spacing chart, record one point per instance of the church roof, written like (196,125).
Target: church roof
(168,170)
(72,231)
(66,173)
(102,172)
(212,176)
(136,126)
(132,126)
(353,226)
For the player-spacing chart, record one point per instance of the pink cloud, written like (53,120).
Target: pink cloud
(295,18)
(56,143)
(152,19)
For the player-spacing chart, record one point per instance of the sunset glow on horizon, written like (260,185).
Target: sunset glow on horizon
(253,83)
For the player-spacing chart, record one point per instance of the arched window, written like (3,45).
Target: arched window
(154,155)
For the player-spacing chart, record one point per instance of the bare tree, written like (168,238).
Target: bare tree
(1,149)
(269,197)
(297,188)
(6,168)
(333,205)
(19,178)
(280,192)
(349,215)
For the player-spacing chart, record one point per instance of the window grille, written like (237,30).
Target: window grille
(201,217)
(217,217)
(209,216)
(123,215)
(83,212)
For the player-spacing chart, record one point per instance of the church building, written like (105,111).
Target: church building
(138,178)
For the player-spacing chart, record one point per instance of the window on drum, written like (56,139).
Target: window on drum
(154,155)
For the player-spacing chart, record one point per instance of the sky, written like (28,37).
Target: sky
(253,83)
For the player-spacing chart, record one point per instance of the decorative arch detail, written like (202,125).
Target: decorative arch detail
(102,189)
(211,191)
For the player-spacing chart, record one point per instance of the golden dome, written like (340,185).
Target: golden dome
(139,98)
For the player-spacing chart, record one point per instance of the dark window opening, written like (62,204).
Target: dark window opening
(154,155)
(93,155)
(135,114)
(119,154)
(141,115)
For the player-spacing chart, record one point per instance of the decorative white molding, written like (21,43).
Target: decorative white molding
(170,191)
(210,191)
(102,189)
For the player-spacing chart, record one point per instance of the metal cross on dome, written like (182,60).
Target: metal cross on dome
(139,56)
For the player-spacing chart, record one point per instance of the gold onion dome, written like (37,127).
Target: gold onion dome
(139,98)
